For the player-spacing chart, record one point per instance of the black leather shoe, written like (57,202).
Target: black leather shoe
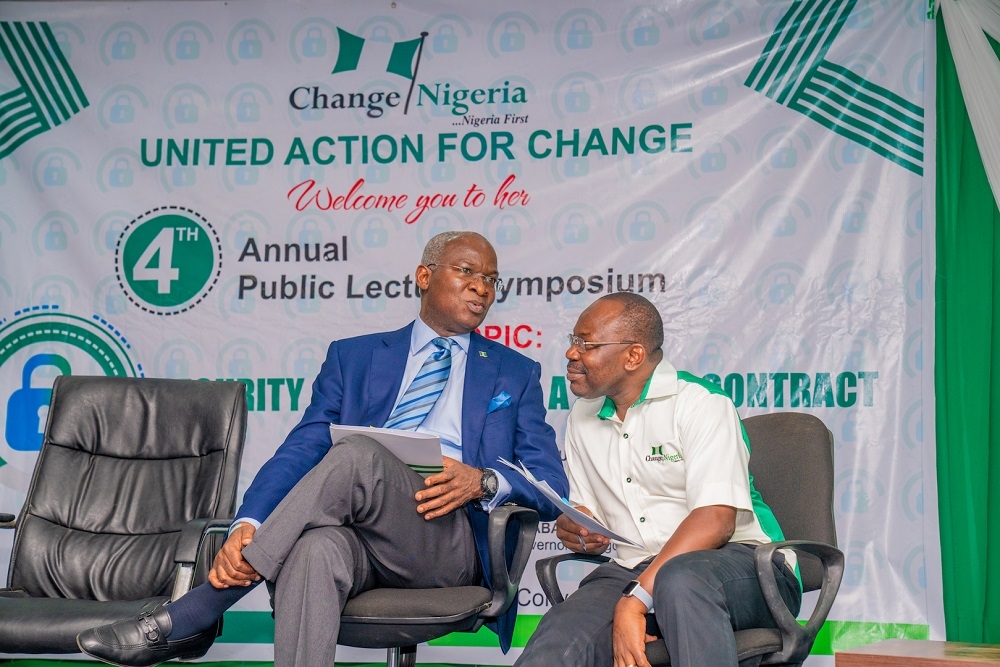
(141,641)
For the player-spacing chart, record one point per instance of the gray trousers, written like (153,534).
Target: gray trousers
(699,599)
(350,525)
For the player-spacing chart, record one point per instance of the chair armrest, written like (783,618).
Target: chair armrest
(504,581)
(797,640)
(189,546)
(8,520)
(546,571)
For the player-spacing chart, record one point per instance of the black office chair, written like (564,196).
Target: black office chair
(398,619)
(132,477)
(791,461)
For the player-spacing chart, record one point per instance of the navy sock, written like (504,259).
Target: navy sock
(201,607)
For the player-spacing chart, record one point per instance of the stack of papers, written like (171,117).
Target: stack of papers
(568,508)
(420,451)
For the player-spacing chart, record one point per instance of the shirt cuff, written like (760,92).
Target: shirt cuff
(503,493)
(246,520)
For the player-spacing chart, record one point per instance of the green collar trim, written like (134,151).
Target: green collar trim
(608,409)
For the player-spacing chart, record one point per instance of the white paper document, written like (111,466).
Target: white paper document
(420,451)
(585,520)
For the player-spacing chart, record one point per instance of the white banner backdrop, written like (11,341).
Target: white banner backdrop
(217,190)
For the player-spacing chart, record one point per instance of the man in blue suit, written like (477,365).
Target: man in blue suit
(325,522)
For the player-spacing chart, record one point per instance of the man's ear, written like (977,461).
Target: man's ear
(423,276)
(636,356)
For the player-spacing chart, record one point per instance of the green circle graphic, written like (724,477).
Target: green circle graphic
(169,259)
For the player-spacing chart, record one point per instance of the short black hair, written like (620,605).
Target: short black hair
(640,320)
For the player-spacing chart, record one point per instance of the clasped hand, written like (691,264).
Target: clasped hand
(229,567)
(450,489)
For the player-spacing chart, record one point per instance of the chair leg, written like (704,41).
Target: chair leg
(401,657)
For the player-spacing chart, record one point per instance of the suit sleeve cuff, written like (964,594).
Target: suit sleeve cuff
(246,520)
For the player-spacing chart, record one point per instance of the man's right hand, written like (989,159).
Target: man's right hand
(229,567)
(577,538)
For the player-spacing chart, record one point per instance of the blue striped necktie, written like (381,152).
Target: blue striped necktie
(423,392)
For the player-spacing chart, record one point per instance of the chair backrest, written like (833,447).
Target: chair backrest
(125,463)
(791,461)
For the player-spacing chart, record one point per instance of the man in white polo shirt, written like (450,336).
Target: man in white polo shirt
(660,457)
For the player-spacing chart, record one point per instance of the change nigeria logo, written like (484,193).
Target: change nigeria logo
(48,93)
(168,259)
(793,71)
(39,343)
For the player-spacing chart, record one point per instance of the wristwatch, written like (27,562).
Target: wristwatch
(489,484)
(634,589)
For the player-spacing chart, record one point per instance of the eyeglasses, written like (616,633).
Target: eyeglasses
(469,276)
(585,345)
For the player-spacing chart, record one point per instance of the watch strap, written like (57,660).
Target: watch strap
(635,589)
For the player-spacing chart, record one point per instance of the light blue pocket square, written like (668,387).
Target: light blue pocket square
(499,402)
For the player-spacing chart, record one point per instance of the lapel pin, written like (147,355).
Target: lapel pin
(482,353)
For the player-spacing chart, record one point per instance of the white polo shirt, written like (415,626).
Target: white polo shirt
(681,446)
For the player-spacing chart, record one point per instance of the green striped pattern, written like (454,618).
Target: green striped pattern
(48,93)
(793,71)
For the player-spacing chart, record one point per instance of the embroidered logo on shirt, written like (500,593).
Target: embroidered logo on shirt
(658,456)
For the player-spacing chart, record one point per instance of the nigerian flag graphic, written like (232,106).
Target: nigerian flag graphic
(48,93)
(404,60)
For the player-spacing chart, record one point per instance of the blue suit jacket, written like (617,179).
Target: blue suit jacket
(357,386)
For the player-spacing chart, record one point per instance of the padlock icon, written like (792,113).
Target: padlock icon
(576,166)
(314,45)
(577,98)
(644,95)
(373,305)
(855,499)
(56,238)
(53,297)
(508,168)
(114,302)
(446,41)
(579,35)
(576,230)
(244,230)
(849,429)
(786,225)
(711,223)
(242,306)
(714,159)
(377,173)
(855,357)
(710,360)
(121,175)
(642,165)
(309,232)
(187,47)
(28,406)
(861,18)
(785,157)
(375,235)
(177,364)
(239,364)
(646,33)
(245,175)
(248,110)
(854,569)
(123,48)
(62,40)
(851,154)
(714,95)
(716,27)
(641,228)
(508,233)
(306,365)
(55,173)
(781,289)
(250,46)
(380,34)
(442,171)
(440,225)
(304,305)
(186,110)
(312,113)
(183,177)
(855,220)
(312,173)
(512,38)
(122,110)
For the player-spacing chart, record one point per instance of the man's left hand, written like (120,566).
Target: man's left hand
(450,489)
(629,633)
